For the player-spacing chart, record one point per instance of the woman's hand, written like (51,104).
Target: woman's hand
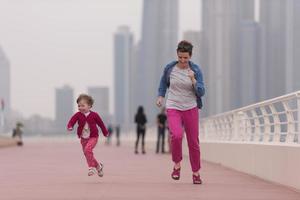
(191,74)
(159,101)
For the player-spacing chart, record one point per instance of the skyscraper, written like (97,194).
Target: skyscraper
(134,84)
(296,46)
(101,104)
(4,82)
(123,78)
(280,48)
(273,20)
(221,29)
(292,45)
(248,64)
(157,48)
(64,106)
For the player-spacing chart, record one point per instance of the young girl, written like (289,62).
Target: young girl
(87,131)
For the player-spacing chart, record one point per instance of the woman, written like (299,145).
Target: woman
(185,85)
(140,120)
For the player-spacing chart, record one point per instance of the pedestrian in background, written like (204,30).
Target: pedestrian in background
(140,120)
(161,128)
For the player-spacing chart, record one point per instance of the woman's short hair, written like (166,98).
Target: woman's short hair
(185,46)
(87,98)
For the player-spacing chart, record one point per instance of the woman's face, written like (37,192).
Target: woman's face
(183,59)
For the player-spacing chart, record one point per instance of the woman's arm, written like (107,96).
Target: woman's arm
(197,79)
(163,84)
(162,89)
(199,86)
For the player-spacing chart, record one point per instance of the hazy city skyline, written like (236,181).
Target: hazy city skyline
(53,43)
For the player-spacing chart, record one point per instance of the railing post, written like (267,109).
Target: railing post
(237,120)
(202,129)
(235,127)
(1,121)
(205,130)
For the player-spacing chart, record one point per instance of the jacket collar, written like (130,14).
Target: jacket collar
(173,63)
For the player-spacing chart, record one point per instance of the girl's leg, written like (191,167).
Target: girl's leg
(88,145)
(176,132)
(191,125)
(83,144)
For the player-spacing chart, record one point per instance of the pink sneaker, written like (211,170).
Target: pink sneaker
(197,179)
(176,174)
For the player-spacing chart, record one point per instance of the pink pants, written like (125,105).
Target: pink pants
(87,146)
(189,121)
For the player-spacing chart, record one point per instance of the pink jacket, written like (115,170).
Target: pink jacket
(92,119)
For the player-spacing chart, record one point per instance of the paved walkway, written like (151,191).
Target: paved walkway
(57,170)
(7,141)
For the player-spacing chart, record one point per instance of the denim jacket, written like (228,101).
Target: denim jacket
(199,87)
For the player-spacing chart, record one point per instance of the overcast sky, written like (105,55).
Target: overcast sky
(51,43)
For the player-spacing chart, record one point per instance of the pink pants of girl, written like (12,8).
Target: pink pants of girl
(87,146)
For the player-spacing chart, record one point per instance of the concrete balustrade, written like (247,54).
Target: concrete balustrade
(278,163)
(262,139)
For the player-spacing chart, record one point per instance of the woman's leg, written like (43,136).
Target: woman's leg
(176,131)
(158,139)
(191,125)
(163,140)
(137,140)
(143,140)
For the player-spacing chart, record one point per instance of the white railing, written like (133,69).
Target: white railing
(271,121)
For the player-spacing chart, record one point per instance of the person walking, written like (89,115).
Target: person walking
(140,120)
(185,85)
(161,127)
(118,130)
(109,137)
(17,133)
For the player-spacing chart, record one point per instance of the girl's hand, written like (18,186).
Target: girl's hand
(70,129)
(106,135)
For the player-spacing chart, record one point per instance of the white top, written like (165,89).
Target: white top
(86,129)
(181,94)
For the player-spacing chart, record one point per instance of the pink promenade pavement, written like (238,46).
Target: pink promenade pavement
(7,141)
(57,170)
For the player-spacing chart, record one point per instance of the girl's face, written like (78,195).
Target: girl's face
(183,59)
(83,106)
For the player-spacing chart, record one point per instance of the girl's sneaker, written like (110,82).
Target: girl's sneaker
(92,171)
(100,170)
(197,179)
(175,174)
